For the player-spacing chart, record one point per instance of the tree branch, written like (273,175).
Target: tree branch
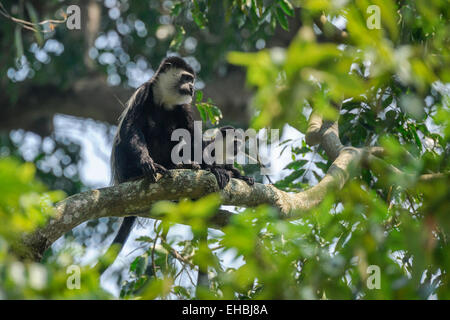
(137,197)
(329,31)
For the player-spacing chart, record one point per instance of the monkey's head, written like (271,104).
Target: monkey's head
(231,142)
(173,83)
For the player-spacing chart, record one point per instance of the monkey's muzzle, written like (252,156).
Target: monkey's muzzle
(186,88)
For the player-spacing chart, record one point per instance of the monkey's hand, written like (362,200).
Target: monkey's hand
(148,167)
(237,174)
(223,176)
(160,169)
(151,168)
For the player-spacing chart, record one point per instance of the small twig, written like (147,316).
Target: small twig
(330,31)
(183,268)
(120,101)
(389,195)
(153,249)
(217,248)
(410,202)
(179,256)
(31,25)
(190,278)
(134,250)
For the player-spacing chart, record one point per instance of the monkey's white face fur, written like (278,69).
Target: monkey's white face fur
(167,89)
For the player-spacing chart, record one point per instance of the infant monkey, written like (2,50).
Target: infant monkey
(222,169)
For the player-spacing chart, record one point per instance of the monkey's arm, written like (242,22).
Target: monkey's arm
(224,173)
(139,151)
(235,173)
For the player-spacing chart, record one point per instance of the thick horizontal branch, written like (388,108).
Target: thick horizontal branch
(92,97)
(329,31)
(389,174)
(137,197)
(89,97)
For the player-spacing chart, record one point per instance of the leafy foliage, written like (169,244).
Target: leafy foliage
(388,87)
(25,205)
(394,94)
(207,110)
(55,159)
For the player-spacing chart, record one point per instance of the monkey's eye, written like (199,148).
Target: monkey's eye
(187,78)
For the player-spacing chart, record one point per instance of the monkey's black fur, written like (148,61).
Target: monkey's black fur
(142,146)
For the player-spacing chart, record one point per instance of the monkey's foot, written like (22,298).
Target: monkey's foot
(148,167)
(151,169)
(160,169)
(223,176)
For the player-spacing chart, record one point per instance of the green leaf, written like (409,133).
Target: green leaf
(202,111)
(198,16)
(177,41)
(176,9)
(413,130)
(199,96)
(287,7)
(386,103)
(139,264)
(322,166)
(208,110)
(301,150)
(295,165)
(290,178)
(182,291)
(144,239)
(282,20)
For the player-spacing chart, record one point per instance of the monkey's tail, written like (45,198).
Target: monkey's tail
(128,222)
(119,240)
(124,231)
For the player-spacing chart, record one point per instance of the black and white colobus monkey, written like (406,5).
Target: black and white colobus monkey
(226,169)
(142,146)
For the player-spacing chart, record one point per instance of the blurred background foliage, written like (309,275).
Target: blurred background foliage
(393,87)
(25,204)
